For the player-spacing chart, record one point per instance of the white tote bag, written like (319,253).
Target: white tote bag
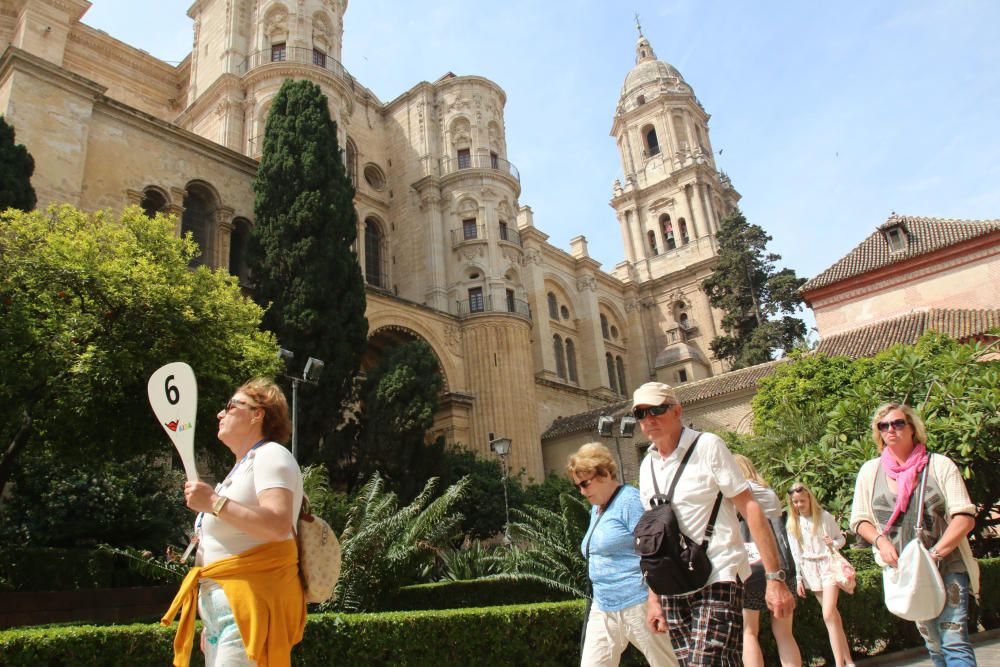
(914,589)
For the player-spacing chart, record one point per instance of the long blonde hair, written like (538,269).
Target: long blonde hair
(750,471)
(815,511)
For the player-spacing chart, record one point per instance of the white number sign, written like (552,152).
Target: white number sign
(173,394)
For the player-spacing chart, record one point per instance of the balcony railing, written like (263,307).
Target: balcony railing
(471,233)
(508,234)
(300,56)
(487,304)
(496,163)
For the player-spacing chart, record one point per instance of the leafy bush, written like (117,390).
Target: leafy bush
(57,504)
(476,593)
(50,569)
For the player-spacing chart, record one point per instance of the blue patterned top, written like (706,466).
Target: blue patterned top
(614,566)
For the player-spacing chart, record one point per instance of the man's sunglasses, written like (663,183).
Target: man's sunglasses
(896,424)
(654,410)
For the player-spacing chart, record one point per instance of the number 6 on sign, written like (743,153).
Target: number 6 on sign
(173,394)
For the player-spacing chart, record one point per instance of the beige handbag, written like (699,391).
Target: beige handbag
(319,556)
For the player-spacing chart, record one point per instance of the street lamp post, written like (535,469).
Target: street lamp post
(501,447)
(310,375)
(626,428)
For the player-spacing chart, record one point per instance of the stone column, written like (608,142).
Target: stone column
(627,238)
(499,370)
(436,295)
(688,214)
(222,237)
(699,204)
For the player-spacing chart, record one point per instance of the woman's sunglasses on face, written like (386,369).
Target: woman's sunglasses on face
(655,410)
(896,424)
(585,483)
(237,403)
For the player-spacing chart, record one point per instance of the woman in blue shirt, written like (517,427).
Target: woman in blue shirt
(618,613)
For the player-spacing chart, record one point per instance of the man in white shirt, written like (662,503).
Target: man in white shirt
(706,626)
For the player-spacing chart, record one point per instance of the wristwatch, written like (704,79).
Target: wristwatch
(775,576)
(219,504)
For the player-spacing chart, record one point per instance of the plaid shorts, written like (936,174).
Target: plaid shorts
(706,626)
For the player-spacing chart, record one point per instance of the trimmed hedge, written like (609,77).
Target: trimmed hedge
(473,593)
(31,569)
(538,634)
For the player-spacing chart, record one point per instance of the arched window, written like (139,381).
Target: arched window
(605,331)
(153,202)
(668,231)
(571,360)
(621,375)
(237,249)
(682,227)
(683,321)
(553,306)
(374,240)
(197,220)
(612,376)
(651,237)
(652,145)
(557,348)
(351,159)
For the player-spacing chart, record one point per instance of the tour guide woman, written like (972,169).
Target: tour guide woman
(250,598)
(618,613)
(884,515)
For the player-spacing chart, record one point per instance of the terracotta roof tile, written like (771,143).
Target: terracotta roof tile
(924,235)
(865,341)
(869,340)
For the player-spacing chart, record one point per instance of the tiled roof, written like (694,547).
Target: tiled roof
(869,340)
(727,383)
(924,235)
(864,341)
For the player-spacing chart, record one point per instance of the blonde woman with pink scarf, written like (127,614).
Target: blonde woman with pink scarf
(883,514)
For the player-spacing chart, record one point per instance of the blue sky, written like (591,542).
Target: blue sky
(829,115)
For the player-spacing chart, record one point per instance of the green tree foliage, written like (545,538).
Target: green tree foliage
(385,546)
(300,253)
(482,505)
(399,398)
(90,306)
(815,414)
(16,168)
(547,546)
(758,301)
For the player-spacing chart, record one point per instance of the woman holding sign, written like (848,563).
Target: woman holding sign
(246,570)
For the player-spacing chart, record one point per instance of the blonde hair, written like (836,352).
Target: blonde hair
(269,397)
(919,430)
(749,470)
(815,510)
(592,458)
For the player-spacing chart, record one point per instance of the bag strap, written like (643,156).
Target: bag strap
(586,549)
(710,528)
(677,475)
(920,498)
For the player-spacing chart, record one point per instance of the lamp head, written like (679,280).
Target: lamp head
(313,369)
(285,355)
(605,426)
(628,426)
(500,446)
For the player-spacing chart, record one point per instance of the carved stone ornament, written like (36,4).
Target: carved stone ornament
(678,296)
(586,283)
(533,255)
(453,339)
(630,305)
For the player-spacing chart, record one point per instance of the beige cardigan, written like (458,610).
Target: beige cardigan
(956,499)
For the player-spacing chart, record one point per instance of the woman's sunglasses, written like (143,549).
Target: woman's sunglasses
(655,410)
(796,489)
(896,424)
(237,403)
(585,483)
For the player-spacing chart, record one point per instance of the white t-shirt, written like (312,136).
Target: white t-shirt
(269,466)
(710,469)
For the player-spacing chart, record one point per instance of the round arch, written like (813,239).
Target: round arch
(384,335)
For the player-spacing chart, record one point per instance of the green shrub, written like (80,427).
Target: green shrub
(91,646)
(474,593)
(49,569)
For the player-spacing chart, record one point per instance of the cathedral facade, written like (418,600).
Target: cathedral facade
(525,332)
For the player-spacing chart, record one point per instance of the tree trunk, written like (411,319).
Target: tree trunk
(14,448)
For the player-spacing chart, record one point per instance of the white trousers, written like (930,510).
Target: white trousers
(223,645)
(609,634)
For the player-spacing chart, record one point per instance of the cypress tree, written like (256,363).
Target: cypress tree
(758,301)
(300,254)
(16,168)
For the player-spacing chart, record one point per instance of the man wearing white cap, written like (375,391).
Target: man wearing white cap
(706,625)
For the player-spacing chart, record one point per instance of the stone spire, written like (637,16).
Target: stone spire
(643,49)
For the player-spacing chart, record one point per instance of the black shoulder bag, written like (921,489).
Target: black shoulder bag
(671,562)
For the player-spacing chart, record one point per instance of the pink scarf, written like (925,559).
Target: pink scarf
(906,475)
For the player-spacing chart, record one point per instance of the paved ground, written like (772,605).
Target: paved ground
(987,645)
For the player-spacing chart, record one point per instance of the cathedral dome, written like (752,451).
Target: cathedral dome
(651,76)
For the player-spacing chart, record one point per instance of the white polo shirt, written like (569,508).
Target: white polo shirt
(710,469)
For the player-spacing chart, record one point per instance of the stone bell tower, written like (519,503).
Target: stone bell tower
(669,206)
